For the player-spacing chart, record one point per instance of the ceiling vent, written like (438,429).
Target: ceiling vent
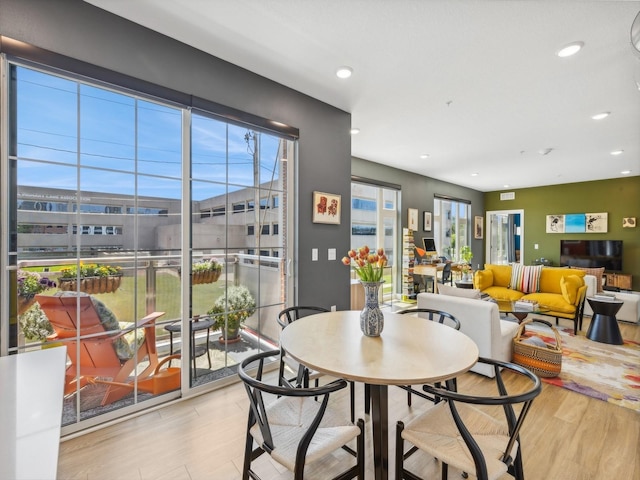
(508,196)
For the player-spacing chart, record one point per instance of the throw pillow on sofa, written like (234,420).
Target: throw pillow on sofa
(596,272)
(525,278)
(483,279)
(501,274)
(569,286)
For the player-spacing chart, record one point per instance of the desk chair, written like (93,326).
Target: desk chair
(459,434)
(295,429)
(446,275)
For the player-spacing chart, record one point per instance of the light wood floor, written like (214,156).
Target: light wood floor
(567,436)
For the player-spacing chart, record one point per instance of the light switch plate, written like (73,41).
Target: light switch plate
(331,255)
(314,254)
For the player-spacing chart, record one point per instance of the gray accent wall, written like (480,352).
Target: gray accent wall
(418,192)
(84,32)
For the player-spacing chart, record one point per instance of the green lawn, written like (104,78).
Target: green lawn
(167,297)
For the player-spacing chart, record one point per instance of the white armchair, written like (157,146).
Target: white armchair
(480,321)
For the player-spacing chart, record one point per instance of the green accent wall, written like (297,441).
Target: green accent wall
(619,198)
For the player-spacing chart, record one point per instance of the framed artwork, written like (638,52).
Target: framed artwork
(326,208)
(555,223)
(575,223)
(413,219)
(596,222)
(629,222)
(478,228)
(427,222)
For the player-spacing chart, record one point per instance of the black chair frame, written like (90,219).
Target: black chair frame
(255,388)
(578,317)
(286,317)
(442,318)
(514,422)
(447,276)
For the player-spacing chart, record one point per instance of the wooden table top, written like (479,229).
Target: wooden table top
(410,350)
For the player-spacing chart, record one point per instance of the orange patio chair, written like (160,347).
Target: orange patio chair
(96,358)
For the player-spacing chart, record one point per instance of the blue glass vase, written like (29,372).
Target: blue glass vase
(371,318)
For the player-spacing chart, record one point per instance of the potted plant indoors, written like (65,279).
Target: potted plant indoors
(466,255)
(230,310)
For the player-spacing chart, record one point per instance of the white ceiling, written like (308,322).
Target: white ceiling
(474,84)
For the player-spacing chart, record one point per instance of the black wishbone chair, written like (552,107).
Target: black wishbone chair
(461,435)
(441,317)
(302,374)
(295,429)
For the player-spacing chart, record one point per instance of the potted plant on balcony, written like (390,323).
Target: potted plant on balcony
(94,278)
(207,271)
(35,325)
(230,310)
(29,285)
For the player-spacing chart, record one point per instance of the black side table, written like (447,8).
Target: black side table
(464,284)
(195,325)
(604,326)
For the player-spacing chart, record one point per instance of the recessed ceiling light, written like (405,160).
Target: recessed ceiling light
(617,152)
(625,172)
(354,131)
(602,115)
(474,174)
(424,156)
(344,72)
(570,49)
(506,185)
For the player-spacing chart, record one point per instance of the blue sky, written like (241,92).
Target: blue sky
(118,135)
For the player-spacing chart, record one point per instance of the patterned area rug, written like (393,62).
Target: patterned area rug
(607,372)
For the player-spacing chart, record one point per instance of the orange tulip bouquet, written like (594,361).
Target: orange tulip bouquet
(367,264)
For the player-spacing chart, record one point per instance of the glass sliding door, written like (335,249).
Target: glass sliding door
(138,229)
(238,191)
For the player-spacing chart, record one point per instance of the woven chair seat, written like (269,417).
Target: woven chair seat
(289,419)
(436,433)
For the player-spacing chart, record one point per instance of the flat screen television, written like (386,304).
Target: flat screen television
(592,253)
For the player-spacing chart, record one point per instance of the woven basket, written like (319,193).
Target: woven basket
(543,361)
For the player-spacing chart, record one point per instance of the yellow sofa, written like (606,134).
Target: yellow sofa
(560,290)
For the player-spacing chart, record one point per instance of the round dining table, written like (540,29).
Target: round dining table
(410,351)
